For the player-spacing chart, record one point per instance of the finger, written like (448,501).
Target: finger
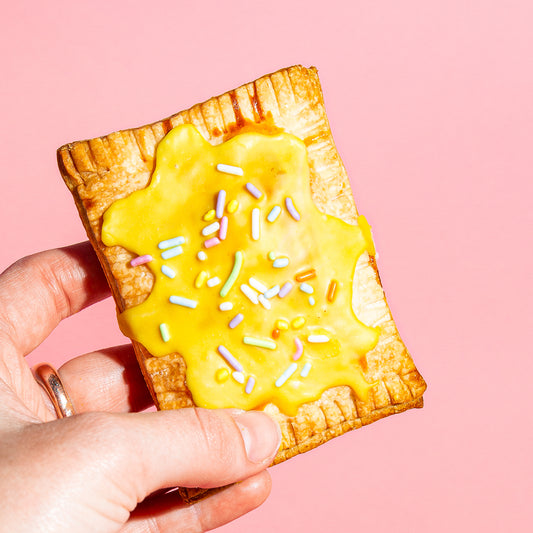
(168,512)
(107,380)
(38,291)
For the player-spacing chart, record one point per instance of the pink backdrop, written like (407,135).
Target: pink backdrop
(431,105)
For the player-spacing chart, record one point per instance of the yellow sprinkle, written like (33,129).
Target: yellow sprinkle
(282,324)
(210,215)
(297,323)
(200,279)
(222,375)
(232,206)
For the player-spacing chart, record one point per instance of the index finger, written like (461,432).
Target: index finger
(40,290)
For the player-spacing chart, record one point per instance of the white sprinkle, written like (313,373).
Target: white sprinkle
(238,377)
(169,272)
(305,370)
(264,302)
(317,338)
(226,306)
(172,252)
(249,293)
(236,320)
(221,202)
(274,213)
(201,255)
(256,224)
(305,287)
(184,302)
(253,190)
(286,375)
(270,293)
(213,282)
(257,285)
(250,385)
(212,228)
(230,169)
(311,300)
(169,243)
(281,262)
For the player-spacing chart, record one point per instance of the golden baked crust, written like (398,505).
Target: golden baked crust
(100,171)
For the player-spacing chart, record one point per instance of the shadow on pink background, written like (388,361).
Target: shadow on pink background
(431,106)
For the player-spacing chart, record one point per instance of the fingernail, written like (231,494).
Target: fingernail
(260,434)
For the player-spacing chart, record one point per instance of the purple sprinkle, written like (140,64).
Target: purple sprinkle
(253,190)
(212,242)
(225,353)
(141,260)
(236,320)
(291,209)
(221,202)
(223,231)
(250,385)
(287,287)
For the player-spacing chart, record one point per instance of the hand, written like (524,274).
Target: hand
(91,471)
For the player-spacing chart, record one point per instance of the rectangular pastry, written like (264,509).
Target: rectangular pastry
(240,267)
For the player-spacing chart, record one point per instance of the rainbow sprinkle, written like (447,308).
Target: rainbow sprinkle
(238,377)
(281,262)
(237,265)
(213,241)
(213,282)
(141,260)
(272,255)
(253,190)
(311,300)
(286,375)
(212,228)
(221,201)
(305,275)
(305,370)
(273,291)
(282,324)
(261,343)
(236,320)
(163,329)
(222,234)
(201,255)
(250,384)
(305,287)
(249,293)
(200,279)
(332,291)
(257,285)
(317,338)
(172,252)
(274,213)
(226,306)
(298,322)
(299,349)
(264,302)
(291,209)
(169,243)
(232,206)
(230,169)
(210,215)
(287,287)
(168,272)
(230,359)
(184,302)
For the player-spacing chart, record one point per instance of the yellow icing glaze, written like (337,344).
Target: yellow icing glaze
(184,187)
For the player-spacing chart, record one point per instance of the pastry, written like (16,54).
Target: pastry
(240,267)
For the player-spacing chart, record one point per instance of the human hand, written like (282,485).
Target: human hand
(91,471)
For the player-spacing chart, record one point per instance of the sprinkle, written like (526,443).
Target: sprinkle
(256,224)
(213,282)
(311,301)
(232,206)
(141,260)
(291,209)
(213,241)
(287,287)
(305,275)
(274,213)
(264,302)
(238,377)
(253,190)
(261,343)
(163,329)
(317,338)
(299,349)
(282,324)
(305,287)
(226,306)
(201,255)
(257,285)
(230,169)
(273,291)
(281,262)
(172,252)
(200,279)
(169,272)
(210,215)
(226,354)
(297,323)
(222,234)
(184,302)
(276,333)
(212,228)
(222,375)
(272,255)
(236,320)
(305,370)
(250,384)
(286,375)
(169,243)
(221,200)
(249,293)
(237,265)
(332,290)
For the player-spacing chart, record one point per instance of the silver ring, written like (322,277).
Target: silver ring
(47,376)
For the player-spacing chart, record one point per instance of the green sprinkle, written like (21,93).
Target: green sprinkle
(233,275)
(165,335)
(261,343)
(272,256)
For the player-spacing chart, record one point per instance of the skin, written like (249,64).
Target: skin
(105,469)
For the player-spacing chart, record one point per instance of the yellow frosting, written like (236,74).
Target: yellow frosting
(178,202)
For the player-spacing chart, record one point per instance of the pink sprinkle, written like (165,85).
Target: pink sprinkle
(299,349)
(223,231)
(221,202)
(212,242)
(141,260)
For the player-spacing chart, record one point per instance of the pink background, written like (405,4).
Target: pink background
(431,105)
